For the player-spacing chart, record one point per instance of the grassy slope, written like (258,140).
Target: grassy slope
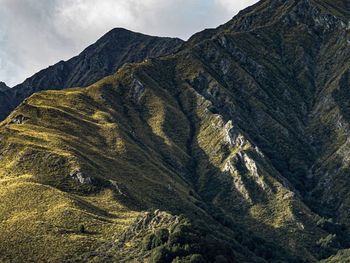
(177,134)
(140,134)
(40,223)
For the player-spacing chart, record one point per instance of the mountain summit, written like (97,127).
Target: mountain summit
(115,48)
(233,148)
(3,86)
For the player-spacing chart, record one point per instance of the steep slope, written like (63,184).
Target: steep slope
(236,146)
(109,159)
(3,87)
(117,47)
(133,137)
(4,99)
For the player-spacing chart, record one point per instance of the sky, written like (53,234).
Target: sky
(37,33)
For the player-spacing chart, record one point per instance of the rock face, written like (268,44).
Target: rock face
(237,146)
(117,47)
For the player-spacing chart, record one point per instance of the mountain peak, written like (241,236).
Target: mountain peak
(3,86)
(121,32)
(323,15)
(123,37)
(103,58)
(269,12)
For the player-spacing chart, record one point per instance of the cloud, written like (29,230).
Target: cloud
(35,34)
(232,5)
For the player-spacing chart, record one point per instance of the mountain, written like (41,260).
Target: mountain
(117,47)
(233,149)
(3,87)
(4,99)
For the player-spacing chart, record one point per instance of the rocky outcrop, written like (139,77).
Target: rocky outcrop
(19,119)
(81,177)
(150,221)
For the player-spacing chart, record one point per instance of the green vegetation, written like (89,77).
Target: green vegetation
(156,239)
(230,136)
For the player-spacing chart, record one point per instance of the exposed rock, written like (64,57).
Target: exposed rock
(152,220)
(81,177)
(19,119)
(250,164)
(117,187)
(137,91)
(231,169)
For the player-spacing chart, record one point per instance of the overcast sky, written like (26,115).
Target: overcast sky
(37,33)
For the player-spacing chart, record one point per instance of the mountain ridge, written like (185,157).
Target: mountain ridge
(116,47)
(236,146)
(3,86)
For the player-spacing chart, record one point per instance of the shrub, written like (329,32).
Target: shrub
(328,241)
(82,229)
(195,258)
(156,239)
(162,235)
(160,255)
(330,226)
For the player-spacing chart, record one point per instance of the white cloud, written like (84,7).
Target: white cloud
(35,34)
(234,5)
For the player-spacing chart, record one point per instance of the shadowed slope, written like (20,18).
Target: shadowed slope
(3,87)
(232,132)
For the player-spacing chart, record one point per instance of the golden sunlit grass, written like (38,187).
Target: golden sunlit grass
(42,208)
(141,148)
(39,222)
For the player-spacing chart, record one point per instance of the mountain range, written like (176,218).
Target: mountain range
(230,147)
